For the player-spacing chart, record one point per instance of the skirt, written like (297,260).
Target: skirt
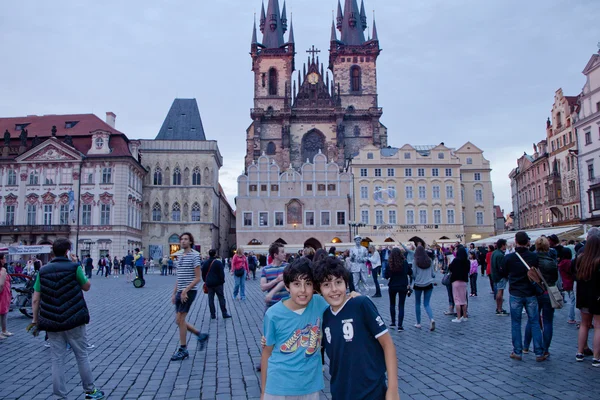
(459,292)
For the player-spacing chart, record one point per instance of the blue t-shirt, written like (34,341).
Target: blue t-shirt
(295,367)
(357,362)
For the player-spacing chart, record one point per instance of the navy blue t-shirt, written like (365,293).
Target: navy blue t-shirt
(357,362)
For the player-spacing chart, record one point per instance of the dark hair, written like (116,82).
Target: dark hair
(190,236)
(2,258)
(491,247)
(61,246)
(500,243)
(588,262)
(274,248)
(212,253)
(461,253)
(137,249)
(396,260)
(332,250)
(330,267)
(565,254)
(301,268)
(319,255)
(421,258)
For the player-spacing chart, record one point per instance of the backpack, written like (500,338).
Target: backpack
(102,262)
(252,263)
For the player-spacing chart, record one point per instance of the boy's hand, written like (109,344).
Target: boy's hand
(354,295)
(392,394)
(263,342)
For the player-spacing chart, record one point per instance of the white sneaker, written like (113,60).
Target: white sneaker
(418,326)
(457,320)
(46,344)
(464,319)
(90,346)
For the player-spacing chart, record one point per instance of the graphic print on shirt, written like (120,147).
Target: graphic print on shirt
(308,338)
(348,329)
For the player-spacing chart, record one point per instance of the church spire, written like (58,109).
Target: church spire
(284,18)
(340,16)
(254,39)
(363,15)
(262,18)
(374,30)
(352,26)
(273,30)
(291,36)
(333,34)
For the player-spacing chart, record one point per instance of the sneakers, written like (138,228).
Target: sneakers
(95,395)
(432,326)
(90,346)
(464,319)
(579,357)
(541,358)
(7,334)
(457,320)
(525,351)
(226,316)
(516,356)
(502,313)
(393,324)
(2,336)
(588,352)
(418,326)
(595,363)
(181,354)
(400,329)
(46,344)
(450,313)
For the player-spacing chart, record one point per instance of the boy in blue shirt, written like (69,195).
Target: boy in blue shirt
(357,342)
(291,363)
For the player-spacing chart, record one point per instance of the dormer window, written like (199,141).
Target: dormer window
(20,127)
(70,124)
(99,143)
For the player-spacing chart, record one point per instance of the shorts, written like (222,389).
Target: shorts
(312,396)
(129,268)
(501,284)
(182,307)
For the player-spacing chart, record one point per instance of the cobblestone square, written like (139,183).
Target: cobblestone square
(134,335)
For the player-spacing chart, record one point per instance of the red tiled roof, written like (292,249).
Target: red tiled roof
(41,126)
(498,212)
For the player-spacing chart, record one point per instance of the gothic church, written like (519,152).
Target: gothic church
(299,113)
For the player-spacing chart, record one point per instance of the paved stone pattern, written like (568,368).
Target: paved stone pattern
(135,336)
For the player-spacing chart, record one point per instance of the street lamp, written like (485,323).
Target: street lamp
(354,226)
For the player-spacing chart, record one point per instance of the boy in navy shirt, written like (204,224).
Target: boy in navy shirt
(357,342)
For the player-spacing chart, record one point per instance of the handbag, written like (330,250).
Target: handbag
(239,272)
(446,279)
(540,284)
(204,287)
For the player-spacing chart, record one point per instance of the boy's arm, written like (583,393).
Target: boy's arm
(391,366)
(264,363)
(275,289)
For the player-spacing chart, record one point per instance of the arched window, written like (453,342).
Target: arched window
(355,78)
(176,212)
(195,212)
(271,149)
(177,177)
(158,176)
(196,177)
(273,82)
(156,212)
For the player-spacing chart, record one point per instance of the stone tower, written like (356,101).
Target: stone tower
(334,111)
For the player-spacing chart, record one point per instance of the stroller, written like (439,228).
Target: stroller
(22,295)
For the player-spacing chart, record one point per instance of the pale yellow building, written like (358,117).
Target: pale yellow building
(416,192)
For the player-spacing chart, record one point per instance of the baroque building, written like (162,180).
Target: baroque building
(181,192)
(72,176)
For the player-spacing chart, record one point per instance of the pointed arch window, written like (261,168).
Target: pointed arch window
(355,78)
(196,177)
(271,150)
(195,212)
(176,212)
(273,82)
(177,177)
(158,176)
(156,212)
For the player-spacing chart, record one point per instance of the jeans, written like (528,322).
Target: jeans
(384,267)
(516,310)
(163,270)
(100,270)
(58,349)
(401,300)
(375,272)
(450,295)
(240,286)
(473,281)
(218,290)
(253,273)
(545,307)
(427,298)
(571,295)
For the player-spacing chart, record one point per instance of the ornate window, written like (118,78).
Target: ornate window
(156,212)
(176,212)
(312,142)
(273,82)
(195,212)
(271,150)
(34,178)
(12,177)
(10,215)
(177,177)
(31,214)
(105,214)
(196,177)
(158,176)
(86,214)
(355,78)
(48,214)
(64,214)
(107,175)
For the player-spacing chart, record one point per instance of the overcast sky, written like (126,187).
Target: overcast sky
(450,70)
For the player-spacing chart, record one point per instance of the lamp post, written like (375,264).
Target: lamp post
(354,227)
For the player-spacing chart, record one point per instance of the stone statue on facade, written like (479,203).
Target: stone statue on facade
(23,137)
(36,141)
(6,138)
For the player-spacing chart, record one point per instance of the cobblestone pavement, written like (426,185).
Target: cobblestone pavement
(135,336)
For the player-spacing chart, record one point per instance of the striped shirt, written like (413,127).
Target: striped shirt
(271,272)
(186,269)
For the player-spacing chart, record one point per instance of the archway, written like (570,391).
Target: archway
(174,243)
(366,242)
(280,240)
(416,240)
(254,242)
(312,142)
(389,240)
(314,243)
(336,240)
(444,238)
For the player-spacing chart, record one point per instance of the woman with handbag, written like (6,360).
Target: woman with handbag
(213,275)
(459,276)
(239,270)
(423,274)
(399,274)
(549,269)
(588,297)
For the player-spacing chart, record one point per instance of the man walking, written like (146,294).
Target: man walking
(186,289)
(89,266)
(59,308)
(499,281)
(213,274)
(522,295)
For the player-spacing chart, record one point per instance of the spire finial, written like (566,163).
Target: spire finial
(254,39)
(291,36)
(263,18)
(333,34)
(284,18)
(374,28)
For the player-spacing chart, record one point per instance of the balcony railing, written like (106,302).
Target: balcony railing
(34,229)
(557,201)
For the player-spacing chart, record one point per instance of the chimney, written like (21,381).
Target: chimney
(110,118)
